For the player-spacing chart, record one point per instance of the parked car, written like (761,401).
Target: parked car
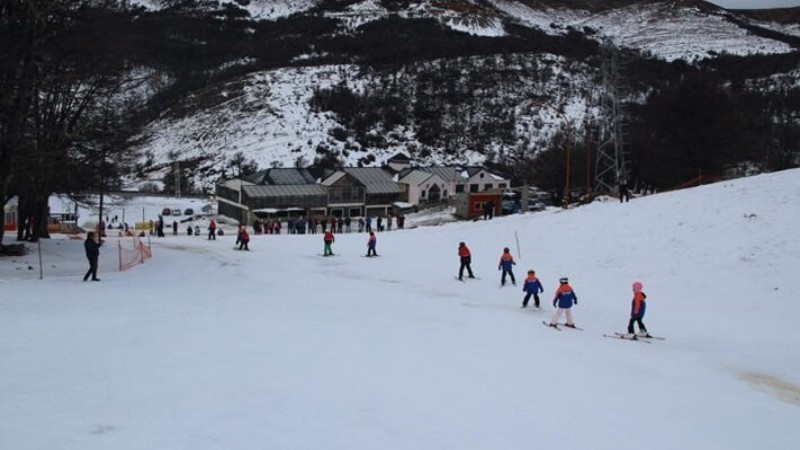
(536,205)
(166,212)
(507,202)
(176,212)
(188,211)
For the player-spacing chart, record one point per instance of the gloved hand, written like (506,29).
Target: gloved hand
(576,301)
(554,303)
(498,267)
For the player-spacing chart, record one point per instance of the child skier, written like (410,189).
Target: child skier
(371,242)
(532,286)
(564,298)
(638,306)
(328,239)
(506,263)
(466,260)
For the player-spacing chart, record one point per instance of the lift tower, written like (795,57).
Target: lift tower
(613,153)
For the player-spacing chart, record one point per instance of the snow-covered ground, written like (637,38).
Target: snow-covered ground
(204,347)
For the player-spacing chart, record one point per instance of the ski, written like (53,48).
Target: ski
(647,336)
(465,279)
(625,337)
(547,324)
(574,328)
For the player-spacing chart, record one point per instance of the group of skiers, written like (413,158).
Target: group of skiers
(564,297)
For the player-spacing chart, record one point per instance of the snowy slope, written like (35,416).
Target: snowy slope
(679,33)
(207,348)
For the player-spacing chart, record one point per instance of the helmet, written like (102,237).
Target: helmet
(637,286)
(461,244)
(506,250)
(563,280)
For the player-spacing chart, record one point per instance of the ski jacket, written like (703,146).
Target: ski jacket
(565,296)
(506,261)
(92,248)
(212,225)
(328,237)
(245,237)
(532,285)
(372,241)
(463,251)
(638,305)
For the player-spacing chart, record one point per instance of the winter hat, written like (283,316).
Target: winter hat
(531,271)
(637,286)
(506,250)
(563,280)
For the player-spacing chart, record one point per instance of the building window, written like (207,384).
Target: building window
(502,185)
(459,188)
(488,187)
(473,188)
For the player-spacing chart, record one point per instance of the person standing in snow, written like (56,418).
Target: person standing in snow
(532,286)
(92,247)
(466,259)
(371,243)
(638,307)
(212,230)
(328,239)
(564,299)
(506,264)
(244,239)
(624,192)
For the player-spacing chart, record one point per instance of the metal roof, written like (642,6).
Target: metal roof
(451,173)
(416,177)
(298,190)
(333,178)
(377,180)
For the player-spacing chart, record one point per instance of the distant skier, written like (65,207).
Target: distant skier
(371,243)
(243,238)
(564,299)
(638,306)
(92,247)
(466,259)
(328,239)
(506,265)
(532,286)
(212,230)
(624,192)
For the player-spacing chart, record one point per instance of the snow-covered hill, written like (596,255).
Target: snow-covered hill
(204,347)
(267,118)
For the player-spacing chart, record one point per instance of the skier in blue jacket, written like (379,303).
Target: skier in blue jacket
(564,299)
(506,264)
(532,286)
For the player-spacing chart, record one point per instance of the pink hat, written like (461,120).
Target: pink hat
(637,286)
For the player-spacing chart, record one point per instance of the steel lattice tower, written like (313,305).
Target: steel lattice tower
(611,162)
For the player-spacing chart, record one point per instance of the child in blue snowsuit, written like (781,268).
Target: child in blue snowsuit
(506,264)
(532,286)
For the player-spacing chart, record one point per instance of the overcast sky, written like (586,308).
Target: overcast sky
(755,4)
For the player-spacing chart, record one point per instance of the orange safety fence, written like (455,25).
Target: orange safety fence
(132,252)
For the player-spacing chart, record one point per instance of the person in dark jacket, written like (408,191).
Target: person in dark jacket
(92,247)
